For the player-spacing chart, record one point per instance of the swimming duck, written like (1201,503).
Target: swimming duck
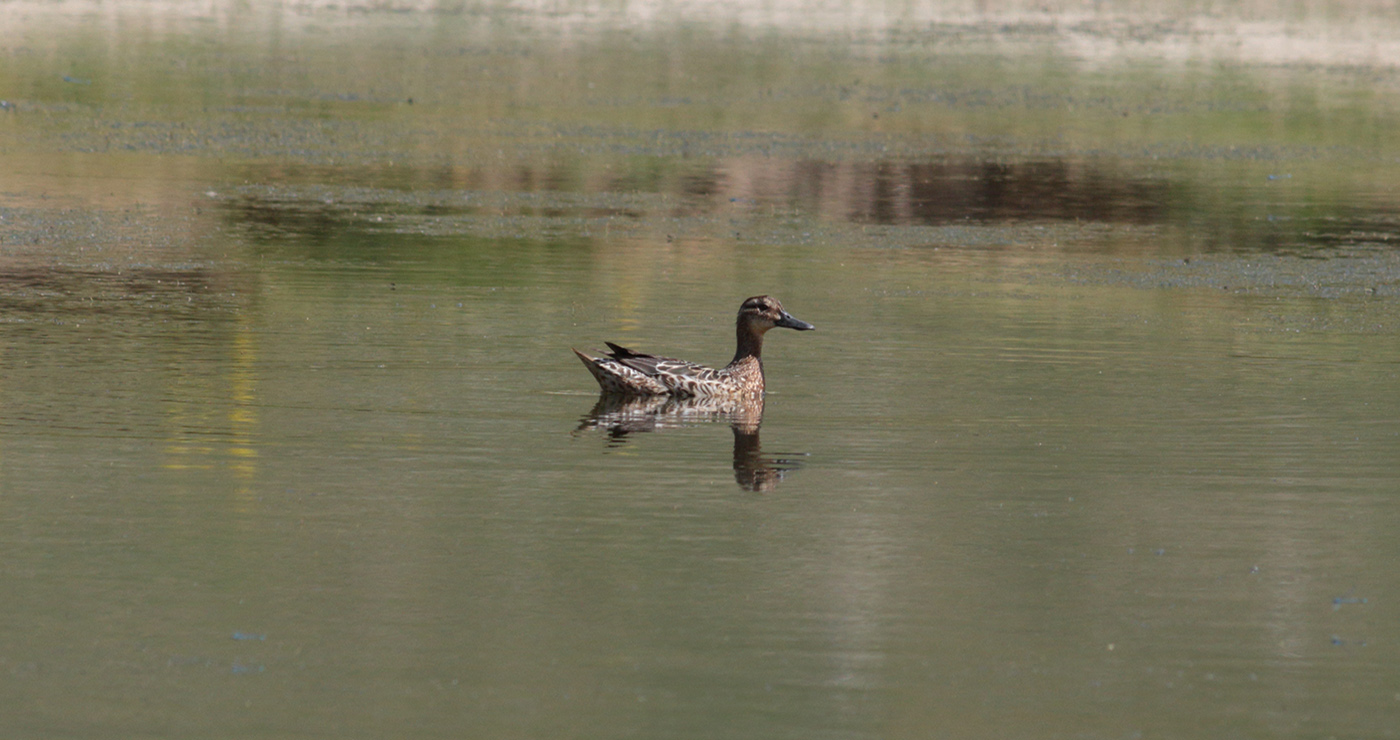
(625,372)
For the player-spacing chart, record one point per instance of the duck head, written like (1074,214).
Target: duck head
(762,313)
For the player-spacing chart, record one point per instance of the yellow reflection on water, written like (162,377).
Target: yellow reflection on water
(242,415)
(196,437)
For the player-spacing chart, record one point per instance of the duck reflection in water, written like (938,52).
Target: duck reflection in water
(621,416)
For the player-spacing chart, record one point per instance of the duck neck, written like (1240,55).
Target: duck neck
(750,344)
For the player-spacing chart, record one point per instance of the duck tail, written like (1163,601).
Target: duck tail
(595,369)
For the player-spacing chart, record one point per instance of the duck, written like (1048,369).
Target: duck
(625,372)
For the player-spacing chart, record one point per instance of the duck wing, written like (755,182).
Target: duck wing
(656,367)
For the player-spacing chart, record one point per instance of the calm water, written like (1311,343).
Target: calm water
(1097,436)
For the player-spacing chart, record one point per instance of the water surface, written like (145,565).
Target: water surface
(1096,436)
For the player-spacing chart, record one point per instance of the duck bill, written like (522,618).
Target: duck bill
(788,322)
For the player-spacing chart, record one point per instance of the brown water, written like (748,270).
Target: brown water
(1097,436)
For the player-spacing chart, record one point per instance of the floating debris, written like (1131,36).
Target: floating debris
(1340,601)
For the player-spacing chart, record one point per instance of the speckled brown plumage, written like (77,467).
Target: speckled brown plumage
(625,372)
